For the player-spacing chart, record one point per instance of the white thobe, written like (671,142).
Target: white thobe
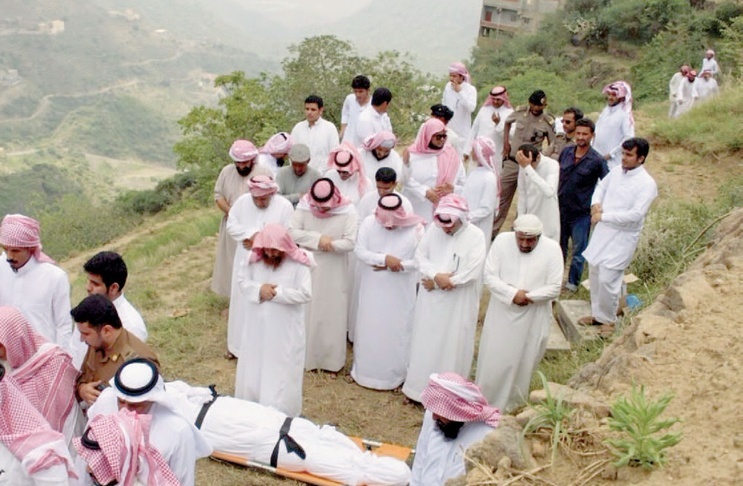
(349,116)
(711,66)
(706,88)
(372,165)
(514,338)
(437,458)
(371,122)
(327,315)
(463,104)
(421,174)
(625,199)
(250,430)
(687,95)
(41,291)
(321,138)
(15,472)
(269,162)
(350,187)
(271,365)
(230,185)
(131,319)
(384,319)
(245,220)
(445,320)
(483,126)
(537,190)
(673,93)
(481,190)
(613,127)
(177,439)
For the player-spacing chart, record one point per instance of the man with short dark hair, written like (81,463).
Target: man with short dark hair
(386,183)
(374,118)
(564,136)
(537,188)
(581,167)
(294,181)
(318,134)
(532,125)
(352,107)
(618,209)
(107,275)
(109,345)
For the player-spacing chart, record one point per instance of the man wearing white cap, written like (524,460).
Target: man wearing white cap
(295,180)
(250,213)
(230,185)
(450,258)
(139,387)
(387,273)
(457,416)
(31,281)
(523,273)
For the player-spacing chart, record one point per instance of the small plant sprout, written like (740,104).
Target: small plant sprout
(638,422)
(554,414)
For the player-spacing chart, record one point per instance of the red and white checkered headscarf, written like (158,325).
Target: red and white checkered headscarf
(346,157)
(262,185)
(447,159)
(42,370)
(390,213)
(461,69)
(19,231)
(243,150)
(27,435)
(323,194)
(483,150)
(454,206)
(458,399)
(622,89)
(281,143)
(277,237)
(498,93)
(384,138)
(125,453)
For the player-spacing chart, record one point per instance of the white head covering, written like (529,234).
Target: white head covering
(528,224)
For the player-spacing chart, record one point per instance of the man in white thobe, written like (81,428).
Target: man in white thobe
(318,134)
(434,169)
(275,283)
(457,416)
(706,86)
(31,453)
(139,387)
(615,124)
(387,277)
(32,282)
(377,151)
(346,171)
(483,186)
(674,85)
(251,431)
(491,120)
(231,184)
(709,63)
(352,106)
(251,212)
(107,274)
(450,258)
(523,273)
(539,177)
(325,223)
(687,94)
(274,154)
(618,209)
(461,98)
(374,118)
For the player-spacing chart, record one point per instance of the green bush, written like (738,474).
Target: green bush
(152,201)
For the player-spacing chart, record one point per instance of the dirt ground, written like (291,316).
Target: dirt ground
(698,361)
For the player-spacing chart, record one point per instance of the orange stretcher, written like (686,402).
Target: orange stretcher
(379,448)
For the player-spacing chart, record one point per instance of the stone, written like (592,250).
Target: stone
(574,398)
(504,441)
(651,327)
(524,417)
(557,344)
(568,313)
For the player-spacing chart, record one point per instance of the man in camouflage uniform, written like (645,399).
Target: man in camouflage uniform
(532,125)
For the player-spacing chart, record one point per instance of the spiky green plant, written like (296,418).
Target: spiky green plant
(637,420)
(553,414)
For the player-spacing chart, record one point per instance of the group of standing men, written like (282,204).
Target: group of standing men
(688,87)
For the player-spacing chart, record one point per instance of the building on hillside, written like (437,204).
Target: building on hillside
(513,16)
